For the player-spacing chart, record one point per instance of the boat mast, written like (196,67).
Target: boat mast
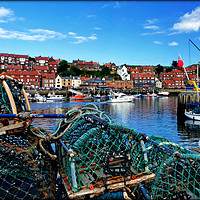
(198,84)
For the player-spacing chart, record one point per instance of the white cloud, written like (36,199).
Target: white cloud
(32,35)
(157,42)
(153,27)
(72,33)
(154,33)
(4,12)
(81,39)
(7,15)
(188,22)
(173,44)
(91,16)
(98,28)
(151,21)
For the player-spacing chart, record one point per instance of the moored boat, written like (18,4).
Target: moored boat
(163,93)
(54,97)
(121,98)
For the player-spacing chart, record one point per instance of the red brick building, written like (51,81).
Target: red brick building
(41,70)
(146,69)
(29,78)
(48,80)
(166,75)
(178,82)
(168,84)
(14,68)
(41,61)
(86,65)
(111,66)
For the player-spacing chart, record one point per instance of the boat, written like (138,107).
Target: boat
(54,97)
(80,97)
(121,98)
(163,93)
(153,95)
(39,98)
(193,114)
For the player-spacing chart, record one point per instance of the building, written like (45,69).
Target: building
(141,79)
(66,82)
(111,66)
(29,78)
(146,69)
(58,82)
(169,84)
(123,72)
(41,61)
(41,70)
(48,80)
(76,81)
(81,64)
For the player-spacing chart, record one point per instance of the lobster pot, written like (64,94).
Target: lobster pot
(25,172)
(99,161)
(95,159)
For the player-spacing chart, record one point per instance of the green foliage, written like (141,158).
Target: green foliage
(63,67)
(105,71)
(169,69)
(174,64)
(159,69)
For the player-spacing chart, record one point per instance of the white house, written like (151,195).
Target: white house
(123,72)
(58,82)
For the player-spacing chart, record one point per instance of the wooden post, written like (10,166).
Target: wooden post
(10,96)
(26,99)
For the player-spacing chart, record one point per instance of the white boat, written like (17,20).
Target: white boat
(193,114)
(39,98)
(163,93)
(54,97)
(121,98)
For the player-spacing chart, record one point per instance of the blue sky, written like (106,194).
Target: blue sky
(131,32)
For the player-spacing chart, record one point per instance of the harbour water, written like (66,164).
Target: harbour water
(152,116)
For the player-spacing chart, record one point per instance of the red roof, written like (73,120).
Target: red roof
(48,75)
(35,73)
(41,58)
(21,56)
(145,75)
(168,81)
(134,70)
(14,67)
(11,55)
(40,68)
(4,54)
(52,63)
(178,78)
(177,71)
(107,64)
(188,69)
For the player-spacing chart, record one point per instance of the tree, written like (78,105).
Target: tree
(63,66)
(105,71)
(159,69)
(174,64)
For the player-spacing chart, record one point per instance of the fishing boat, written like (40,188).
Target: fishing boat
(163,93)
(51,97)
(153,95)
(121,98)
(39,98)
(80,97)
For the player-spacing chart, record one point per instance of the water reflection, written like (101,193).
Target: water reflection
(152,116)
